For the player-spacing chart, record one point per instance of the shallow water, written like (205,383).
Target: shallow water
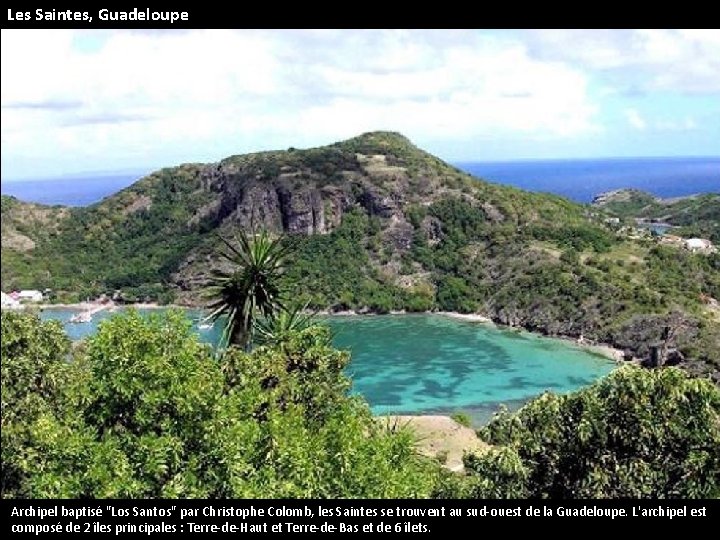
(426,364)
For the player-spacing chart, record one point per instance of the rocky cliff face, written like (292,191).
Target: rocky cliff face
(307,192)
(297,197)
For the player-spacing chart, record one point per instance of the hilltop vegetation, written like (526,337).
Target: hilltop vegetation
(377,224)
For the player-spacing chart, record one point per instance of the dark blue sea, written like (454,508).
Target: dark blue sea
(579,180)
(68,191)
(582,179)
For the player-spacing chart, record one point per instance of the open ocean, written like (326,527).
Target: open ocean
(67,190)
(583,179)
(578,179)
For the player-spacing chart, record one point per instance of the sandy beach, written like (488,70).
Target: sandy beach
(605,350)
(470,317)
(439,437)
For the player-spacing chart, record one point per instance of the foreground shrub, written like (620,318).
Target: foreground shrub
(636,433)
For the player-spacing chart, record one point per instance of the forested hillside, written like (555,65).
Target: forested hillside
(696,215)
(378,224)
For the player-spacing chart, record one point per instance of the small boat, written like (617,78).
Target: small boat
(81,318)
(205,326)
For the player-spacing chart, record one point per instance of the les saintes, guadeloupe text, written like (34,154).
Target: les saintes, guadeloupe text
(105,15)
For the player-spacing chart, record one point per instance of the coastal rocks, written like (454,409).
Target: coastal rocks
(658,339)
(12,239)
(258,208)
(142,202)
(335,202)
(276,204)
(509,317)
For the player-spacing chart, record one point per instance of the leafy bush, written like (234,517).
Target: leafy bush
(636,433)
(145,410)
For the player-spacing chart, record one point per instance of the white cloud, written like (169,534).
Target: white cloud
(638,60)
(635,119)
(640,123)
(198,95)
(684,124)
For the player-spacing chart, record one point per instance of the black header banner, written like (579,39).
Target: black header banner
(267,15)
(360,517)
(82,17)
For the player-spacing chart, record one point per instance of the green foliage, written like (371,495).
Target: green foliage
(7,202)
(637,433)
(353,283)
(462,418)
(454,294)
(145,410)
(498,474)
(697,215)
(630,203)
(280,326)
(135,238)
(33,373)
(461,220)
(577,237)
(250,288)
(153,389)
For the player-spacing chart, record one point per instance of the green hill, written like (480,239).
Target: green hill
(377,225)
(696,215)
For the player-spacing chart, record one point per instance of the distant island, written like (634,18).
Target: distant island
(379,225)
(694,215)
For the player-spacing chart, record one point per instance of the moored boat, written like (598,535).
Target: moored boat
(81,318)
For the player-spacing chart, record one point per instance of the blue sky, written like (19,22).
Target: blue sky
(95,100)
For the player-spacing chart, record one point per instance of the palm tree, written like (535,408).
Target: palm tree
(280,325)
(250,288)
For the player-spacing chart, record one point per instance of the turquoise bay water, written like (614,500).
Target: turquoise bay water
(422,364)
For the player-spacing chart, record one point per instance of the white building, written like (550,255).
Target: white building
(698,244)
(8,302)
(30,296)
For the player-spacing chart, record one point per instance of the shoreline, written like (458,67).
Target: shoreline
(608,351)
(469,317)
(602,349)
(87,306)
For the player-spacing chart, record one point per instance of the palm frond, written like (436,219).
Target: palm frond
(279,325)
(250,288)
